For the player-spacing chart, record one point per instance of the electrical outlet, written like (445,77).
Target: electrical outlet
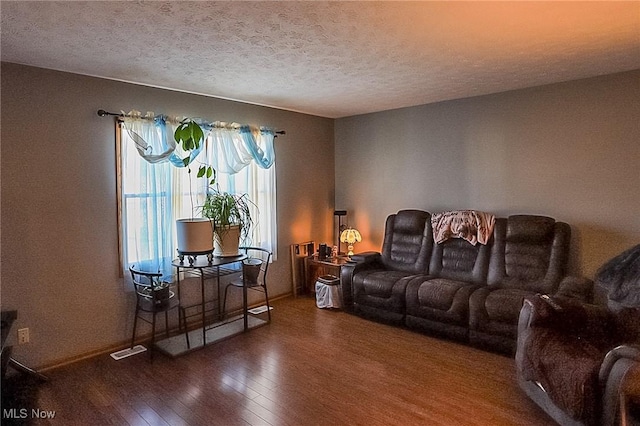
(23,336)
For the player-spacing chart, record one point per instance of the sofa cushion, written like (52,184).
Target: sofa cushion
(381,289)
(457,259)
(439,299)
(529,252)
(438,293)
(377,283)
(504,304)
(526,262)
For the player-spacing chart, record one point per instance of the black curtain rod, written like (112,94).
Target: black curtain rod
(103,113)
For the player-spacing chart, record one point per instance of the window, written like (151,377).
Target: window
(153,195)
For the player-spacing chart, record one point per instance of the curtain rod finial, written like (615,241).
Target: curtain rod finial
(103,113)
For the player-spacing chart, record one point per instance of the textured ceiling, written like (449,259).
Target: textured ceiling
(331,59)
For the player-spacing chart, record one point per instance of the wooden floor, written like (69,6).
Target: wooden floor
(308,367)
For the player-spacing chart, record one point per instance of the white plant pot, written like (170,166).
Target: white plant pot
(195,235)
(226,241)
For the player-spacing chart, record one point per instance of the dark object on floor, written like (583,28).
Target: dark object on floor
(19,399)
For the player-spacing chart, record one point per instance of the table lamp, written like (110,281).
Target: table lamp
(350,236)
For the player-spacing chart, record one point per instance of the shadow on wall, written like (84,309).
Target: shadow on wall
(592,245)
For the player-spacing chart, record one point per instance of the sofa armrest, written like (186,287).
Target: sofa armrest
(366,257)
(358,262)
(580,288)
(630,352)
(614,370)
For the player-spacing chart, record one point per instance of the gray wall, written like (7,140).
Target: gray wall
(58,216)
(569,150)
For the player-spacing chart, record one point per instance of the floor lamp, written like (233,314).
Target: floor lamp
(340,214)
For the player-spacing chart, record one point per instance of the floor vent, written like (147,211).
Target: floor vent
(259,310)
(128,352)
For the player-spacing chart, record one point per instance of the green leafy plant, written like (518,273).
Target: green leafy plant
(189,136)
(225,210)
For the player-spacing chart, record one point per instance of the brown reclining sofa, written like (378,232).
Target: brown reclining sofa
(470,293)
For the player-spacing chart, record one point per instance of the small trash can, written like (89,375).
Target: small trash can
(328,292)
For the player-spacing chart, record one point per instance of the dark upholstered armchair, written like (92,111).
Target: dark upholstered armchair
(572,358)
(374,283)
(529,255)
(581,362)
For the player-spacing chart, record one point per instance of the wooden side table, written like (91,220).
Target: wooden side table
(316,267)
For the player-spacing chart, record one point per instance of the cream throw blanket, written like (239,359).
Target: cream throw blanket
(471,225)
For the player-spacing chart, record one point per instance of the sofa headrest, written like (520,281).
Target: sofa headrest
(530,228)
(411,221)
(407,241)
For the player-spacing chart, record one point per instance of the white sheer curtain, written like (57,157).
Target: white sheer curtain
(244,159)
(147,186)
(235,146)
(156,190)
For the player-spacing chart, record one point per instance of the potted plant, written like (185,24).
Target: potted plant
(195,234)
(231,217)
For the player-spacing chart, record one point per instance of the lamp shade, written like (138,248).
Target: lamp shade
(350,236)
